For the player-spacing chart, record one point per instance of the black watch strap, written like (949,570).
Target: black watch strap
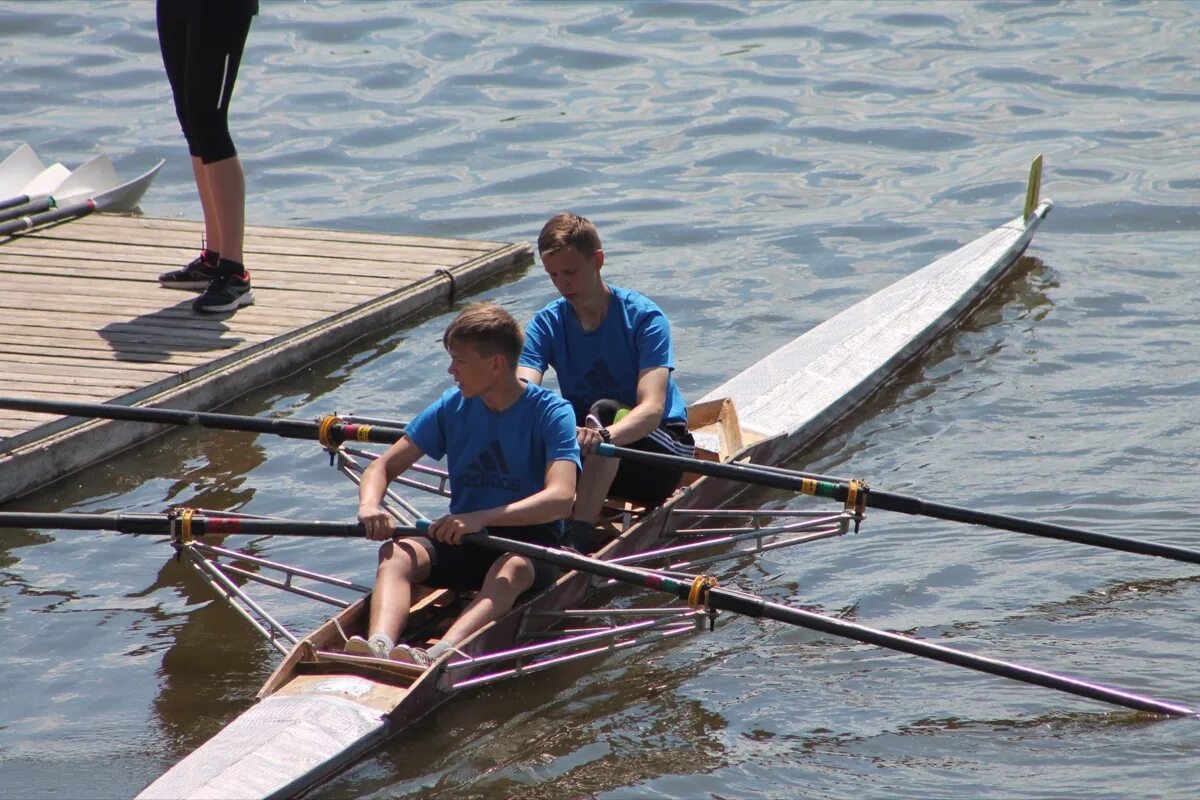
(605,435)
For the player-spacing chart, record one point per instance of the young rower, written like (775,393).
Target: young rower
(611,352)
(512,457)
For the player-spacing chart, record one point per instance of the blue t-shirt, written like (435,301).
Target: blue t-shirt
(605,363)
(494,459)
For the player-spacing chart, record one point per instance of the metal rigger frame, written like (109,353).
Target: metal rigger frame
(547,638)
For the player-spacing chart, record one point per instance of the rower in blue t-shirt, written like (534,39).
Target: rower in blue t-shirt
(610,349)
(495,458)
(512,456)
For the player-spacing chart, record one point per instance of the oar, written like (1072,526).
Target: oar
(199,524)
(335,431)
(58,185)
(701,591)
(117,198)
(837,489)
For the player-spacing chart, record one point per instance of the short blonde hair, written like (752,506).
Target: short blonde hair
(489,329)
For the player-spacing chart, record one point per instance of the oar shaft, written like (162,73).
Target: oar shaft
(750,605)
(201,524)
(821,486)
(12,203)
(1049,530)
(32,221)
(722,598)
(288,428)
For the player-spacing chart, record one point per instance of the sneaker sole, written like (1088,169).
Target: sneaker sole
(245,300)
(194,286)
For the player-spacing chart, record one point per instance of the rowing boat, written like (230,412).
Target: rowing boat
(322,709)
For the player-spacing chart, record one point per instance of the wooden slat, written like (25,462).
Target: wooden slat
(311,277)
(118,222)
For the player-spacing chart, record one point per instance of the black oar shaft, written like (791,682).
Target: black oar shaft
(24,208)
(288,428)
(46,217)
(751,605)
(714,597)
(1049,530)
(12,202)
(201,524)
(820,486)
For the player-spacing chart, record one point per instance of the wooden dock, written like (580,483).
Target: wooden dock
(85,319)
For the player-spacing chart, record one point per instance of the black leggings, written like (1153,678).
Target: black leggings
(202,43)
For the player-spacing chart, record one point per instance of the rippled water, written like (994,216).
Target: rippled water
(755,168)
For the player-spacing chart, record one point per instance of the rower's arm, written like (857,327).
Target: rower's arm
(375,479)
(529,375)
(647,414)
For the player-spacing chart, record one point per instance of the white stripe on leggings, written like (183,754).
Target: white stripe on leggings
(224,77)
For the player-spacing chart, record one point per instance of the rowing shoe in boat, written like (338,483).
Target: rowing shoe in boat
(322,710)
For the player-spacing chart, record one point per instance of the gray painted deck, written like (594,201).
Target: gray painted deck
(85,319)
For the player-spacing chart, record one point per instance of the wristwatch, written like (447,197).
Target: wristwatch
(605,435)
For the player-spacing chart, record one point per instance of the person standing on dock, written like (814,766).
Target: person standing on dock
(202,43)
(611,352)
(512,457)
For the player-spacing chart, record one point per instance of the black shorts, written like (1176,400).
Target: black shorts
(201,43)
(464,566)
(643,483)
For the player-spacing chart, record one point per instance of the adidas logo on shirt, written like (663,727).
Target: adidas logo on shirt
(599,381)
(490,470)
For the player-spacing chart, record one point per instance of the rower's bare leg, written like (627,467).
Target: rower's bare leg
(226,182)
(208,206)
(506,580)
(401,564)
(592,488)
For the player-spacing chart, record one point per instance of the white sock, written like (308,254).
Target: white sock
(384,640)
(439,648)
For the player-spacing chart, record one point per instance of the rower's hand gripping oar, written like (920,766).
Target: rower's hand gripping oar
(837,489)
(701,591)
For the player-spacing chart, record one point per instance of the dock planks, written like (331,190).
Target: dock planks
(85,319)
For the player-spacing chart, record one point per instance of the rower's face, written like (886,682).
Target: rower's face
(575,275)
(473,373)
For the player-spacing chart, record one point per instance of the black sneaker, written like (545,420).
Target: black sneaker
(196,275)
(225,293)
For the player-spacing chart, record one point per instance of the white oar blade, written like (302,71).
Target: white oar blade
(94,177)
(19,168)
(126,196)
(47,181)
